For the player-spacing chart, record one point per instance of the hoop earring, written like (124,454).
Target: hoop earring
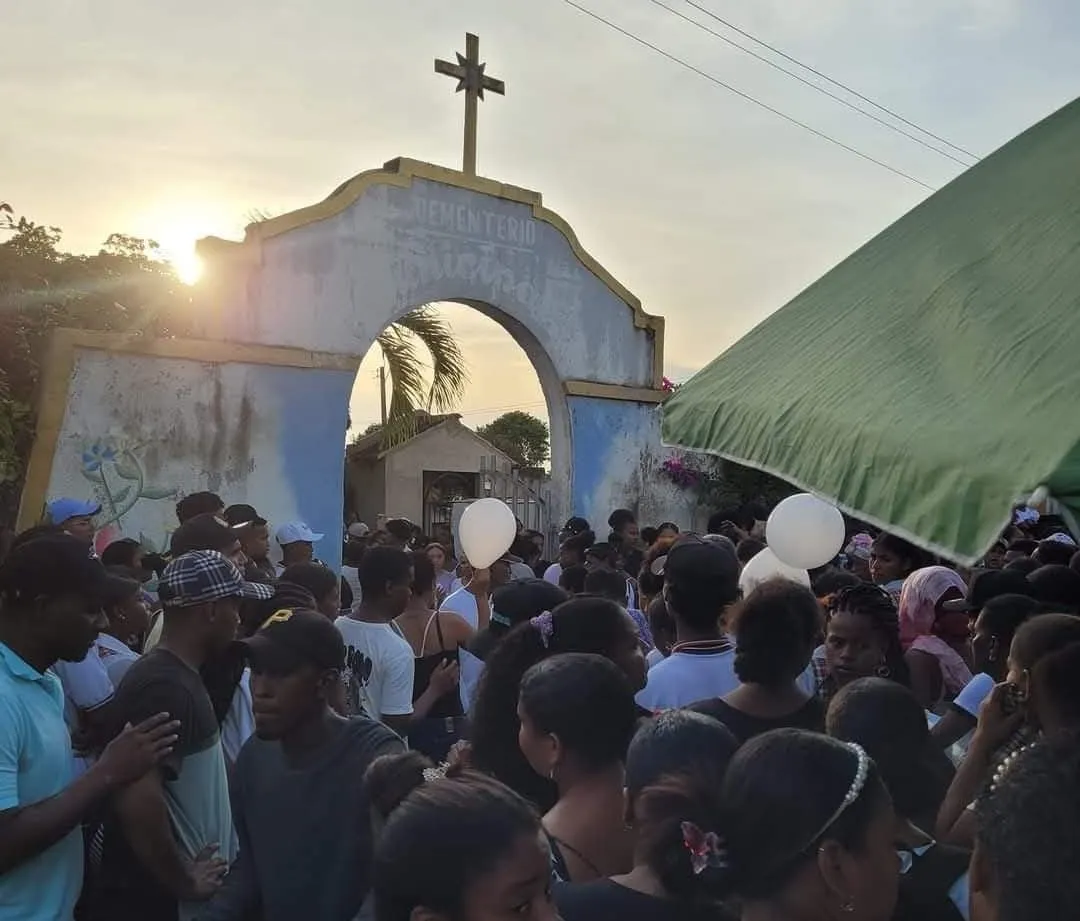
(883,671)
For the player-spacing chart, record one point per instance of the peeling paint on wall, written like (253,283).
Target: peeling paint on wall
(273,436)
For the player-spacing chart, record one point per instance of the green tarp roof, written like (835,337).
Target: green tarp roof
(932,378)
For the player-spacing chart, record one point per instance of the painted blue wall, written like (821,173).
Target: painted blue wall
(312,408)
(611,460)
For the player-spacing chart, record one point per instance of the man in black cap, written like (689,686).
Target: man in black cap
(573,528)
(298,796)
(701,579)
(208,532)
(50,603)
(254,533)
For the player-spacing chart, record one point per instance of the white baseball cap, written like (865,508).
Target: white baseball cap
(359,529)
(296,532)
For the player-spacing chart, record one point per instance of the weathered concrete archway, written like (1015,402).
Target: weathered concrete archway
(311,290)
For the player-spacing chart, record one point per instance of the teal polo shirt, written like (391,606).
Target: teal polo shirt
(36,763)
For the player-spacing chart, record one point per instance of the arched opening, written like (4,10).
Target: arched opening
(431,476)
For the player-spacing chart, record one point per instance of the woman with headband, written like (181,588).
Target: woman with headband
(808,831)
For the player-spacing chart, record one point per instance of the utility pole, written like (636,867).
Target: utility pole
(382,392)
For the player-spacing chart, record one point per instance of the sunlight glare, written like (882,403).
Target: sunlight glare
(187,265)
(176,229)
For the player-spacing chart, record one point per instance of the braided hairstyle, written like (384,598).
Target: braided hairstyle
(876,605)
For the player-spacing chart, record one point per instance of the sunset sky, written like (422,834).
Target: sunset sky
(177,122)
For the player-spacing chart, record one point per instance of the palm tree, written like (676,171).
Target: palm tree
(399,343)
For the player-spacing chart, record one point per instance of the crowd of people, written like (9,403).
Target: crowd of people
(632,730)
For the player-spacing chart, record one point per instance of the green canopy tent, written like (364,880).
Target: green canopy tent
(932,379)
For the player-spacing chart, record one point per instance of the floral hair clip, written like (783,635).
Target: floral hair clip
(545,625)
(432,774)
(705,847)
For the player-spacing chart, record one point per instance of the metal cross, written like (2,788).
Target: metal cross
(469,73)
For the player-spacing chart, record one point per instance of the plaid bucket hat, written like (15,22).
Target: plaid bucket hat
(205,576)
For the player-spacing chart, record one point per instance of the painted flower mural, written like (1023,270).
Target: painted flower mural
(119,478)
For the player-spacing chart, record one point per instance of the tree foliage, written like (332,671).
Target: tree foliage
(738,485)
(520,435)
(125,287)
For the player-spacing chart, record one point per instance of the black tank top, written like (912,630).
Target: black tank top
(449,704)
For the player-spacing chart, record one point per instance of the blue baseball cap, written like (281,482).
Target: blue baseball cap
(296,532)
(64,509)
(205,576)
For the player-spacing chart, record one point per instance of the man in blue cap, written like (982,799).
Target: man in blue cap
(74,517)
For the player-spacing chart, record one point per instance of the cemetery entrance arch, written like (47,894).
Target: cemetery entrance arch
(255,408)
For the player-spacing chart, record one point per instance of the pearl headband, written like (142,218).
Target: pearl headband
(862,771)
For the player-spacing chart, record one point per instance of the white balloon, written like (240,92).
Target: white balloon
(486,531)
(805,532)
(766,565)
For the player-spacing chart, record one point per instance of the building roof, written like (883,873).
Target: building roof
(369,447)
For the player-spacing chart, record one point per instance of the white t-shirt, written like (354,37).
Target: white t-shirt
(552,573)
(351,575)
(378,669)
(116,656)
(684,678)
(520,572)
(463,603)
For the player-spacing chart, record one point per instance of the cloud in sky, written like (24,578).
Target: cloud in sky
(178,121)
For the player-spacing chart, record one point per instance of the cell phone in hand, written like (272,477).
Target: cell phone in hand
(1012,700)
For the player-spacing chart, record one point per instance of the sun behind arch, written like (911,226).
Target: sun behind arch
(187,265)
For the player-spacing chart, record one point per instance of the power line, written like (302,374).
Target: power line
(498,409)
(814,86)
(824,76)
(731,89)
(482,411)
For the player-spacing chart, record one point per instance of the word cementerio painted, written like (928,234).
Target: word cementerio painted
(474,222)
